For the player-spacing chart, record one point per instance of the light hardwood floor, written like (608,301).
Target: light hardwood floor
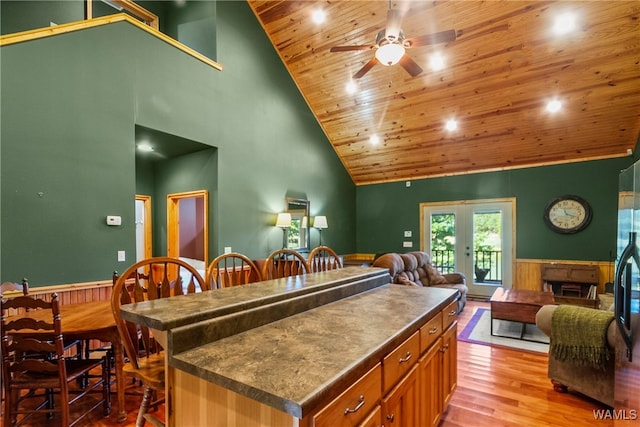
(496,387)
(505,387)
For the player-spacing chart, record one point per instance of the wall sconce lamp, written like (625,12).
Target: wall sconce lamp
(284,221)
(320,222)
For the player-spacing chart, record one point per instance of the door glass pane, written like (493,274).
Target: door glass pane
(443,241)
(487,246)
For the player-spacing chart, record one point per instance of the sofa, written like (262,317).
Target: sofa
(596,382)
(416,269)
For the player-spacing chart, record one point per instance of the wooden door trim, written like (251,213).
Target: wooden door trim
(148,246)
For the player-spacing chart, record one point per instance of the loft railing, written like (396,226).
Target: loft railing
(489,262)
(68,27)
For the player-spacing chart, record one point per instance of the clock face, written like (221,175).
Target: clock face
(568,214)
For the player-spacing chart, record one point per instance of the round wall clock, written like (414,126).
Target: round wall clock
(567,214)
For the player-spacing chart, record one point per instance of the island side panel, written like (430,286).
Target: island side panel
(197,402)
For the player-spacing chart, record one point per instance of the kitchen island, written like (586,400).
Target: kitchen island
(285,360)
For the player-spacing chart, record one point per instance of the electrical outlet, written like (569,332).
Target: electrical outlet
(227,249)
(121,256)
(407,244)
(407,233)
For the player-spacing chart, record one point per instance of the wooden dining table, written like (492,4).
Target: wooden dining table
(88,321)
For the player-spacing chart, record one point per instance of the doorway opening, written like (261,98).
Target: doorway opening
(473,237)
(187,225)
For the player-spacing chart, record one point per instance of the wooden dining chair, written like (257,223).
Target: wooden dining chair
(166,277)
(323,258)
(35,361)
(232,269)
(284,263)
(10,289)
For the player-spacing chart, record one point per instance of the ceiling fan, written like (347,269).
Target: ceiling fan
(391,45)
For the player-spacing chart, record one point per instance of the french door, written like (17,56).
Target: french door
(474,237)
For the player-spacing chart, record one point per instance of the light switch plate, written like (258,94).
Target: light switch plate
(121,256)
(114,220)
(406,244)
(407,233)
(227,249)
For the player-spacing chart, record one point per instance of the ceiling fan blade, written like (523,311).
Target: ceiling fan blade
(434,38)
(349,48)
(410,65)
(369,65)
(392,30)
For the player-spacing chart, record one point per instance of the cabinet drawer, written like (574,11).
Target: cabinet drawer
(449,314)
(430,332)
(351,407)
(400,360)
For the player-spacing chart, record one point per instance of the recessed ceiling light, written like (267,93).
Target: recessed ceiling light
(352,87)
(554,106)
(374,139)
(564,23)
(436,62)
(451,125)
(145,147)
(319,16)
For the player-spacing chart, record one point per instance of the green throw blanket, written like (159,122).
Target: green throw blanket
(579,336)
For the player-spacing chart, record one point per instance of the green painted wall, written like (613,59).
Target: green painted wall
(70,105)
(22,15)
(384,211)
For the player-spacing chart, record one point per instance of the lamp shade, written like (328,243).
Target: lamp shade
(283,220)
(390,54)
(320,221)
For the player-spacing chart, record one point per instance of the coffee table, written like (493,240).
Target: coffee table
(518,306)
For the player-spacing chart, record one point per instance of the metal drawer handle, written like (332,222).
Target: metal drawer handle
(452,313)
(406,357)
(357,408)
(444,348)
(433,330)
(390,417)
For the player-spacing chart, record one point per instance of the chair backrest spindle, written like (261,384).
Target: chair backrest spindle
(284,263)
(323,258)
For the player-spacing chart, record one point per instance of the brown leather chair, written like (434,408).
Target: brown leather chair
(415,269)
(166,277)
(232,269)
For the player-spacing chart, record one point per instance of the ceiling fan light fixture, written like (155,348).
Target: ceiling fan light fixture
(390,54)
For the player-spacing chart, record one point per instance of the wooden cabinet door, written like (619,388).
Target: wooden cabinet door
(400,405)
(449,351)
(430,385)
(374,419)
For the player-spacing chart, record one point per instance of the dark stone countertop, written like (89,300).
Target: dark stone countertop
(301,362)
(167,313)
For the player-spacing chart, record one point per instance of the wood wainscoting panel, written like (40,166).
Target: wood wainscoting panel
(529,272)
(75,293)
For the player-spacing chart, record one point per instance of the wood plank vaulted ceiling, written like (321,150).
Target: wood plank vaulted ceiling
(501,70)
